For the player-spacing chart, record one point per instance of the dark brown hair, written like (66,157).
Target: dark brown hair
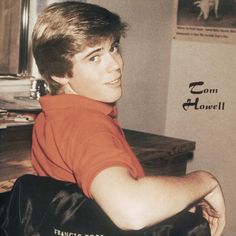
(64,29)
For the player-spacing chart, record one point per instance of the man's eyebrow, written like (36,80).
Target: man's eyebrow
(115,42)
(92,52)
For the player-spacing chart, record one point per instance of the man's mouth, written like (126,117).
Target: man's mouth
(114,82)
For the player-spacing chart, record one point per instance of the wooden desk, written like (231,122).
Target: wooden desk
(15,148)
(159,155)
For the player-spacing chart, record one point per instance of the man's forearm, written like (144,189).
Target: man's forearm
(134,204)
(162,197)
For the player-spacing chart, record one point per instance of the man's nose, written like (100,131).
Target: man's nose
(114,62)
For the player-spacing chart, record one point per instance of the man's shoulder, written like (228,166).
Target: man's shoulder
(95,123)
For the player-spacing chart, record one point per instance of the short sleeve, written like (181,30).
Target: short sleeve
(99,152)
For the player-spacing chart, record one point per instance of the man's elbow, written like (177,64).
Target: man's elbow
(131,219)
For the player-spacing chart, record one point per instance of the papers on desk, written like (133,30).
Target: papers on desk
(18,111)
(24,118)
(19,104)
(3,113)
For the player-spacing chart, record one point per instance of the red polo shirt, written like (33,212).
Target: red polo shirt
(75,138)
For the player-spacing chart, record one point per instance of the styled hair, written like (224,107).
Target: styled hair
(64,29)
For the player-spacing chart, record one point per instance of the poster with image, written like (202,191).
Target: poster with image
(206,20)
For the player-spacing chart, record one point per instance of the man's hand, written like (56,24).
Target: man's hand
(213,208)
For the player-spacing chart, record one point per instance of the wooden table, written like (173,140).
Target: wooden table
(15,148)
(159,155)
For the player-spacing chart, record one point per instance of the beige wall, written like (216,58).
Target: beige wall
(153,98)
(146,53)
(213,130)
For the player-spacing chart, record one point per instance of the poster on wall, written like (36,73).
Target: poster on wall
(206,20)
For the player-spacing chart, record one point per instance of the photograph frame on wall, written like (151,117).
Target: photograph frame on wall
(212,21)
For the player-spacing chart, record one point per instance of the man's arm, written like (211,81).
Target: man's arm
(134,204)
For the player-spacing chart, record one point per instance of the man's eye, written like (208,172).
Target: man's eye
(94,58)
(115,48)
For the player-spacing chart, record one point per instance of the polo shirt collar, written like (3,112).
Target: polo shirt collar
(63,101)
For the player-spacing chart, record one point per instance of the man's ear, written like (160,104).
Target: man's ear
(60,80)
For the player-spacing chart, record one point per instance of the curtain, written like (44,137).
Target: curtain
(10,11)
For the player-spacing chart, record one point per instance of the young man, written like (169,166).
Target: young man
(77,138)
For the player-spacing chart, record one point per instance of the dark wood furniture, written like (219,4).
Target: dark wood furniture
(159,155)
(15,148)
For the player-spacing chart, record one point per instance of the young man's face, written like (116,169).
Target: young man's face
(97,72)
